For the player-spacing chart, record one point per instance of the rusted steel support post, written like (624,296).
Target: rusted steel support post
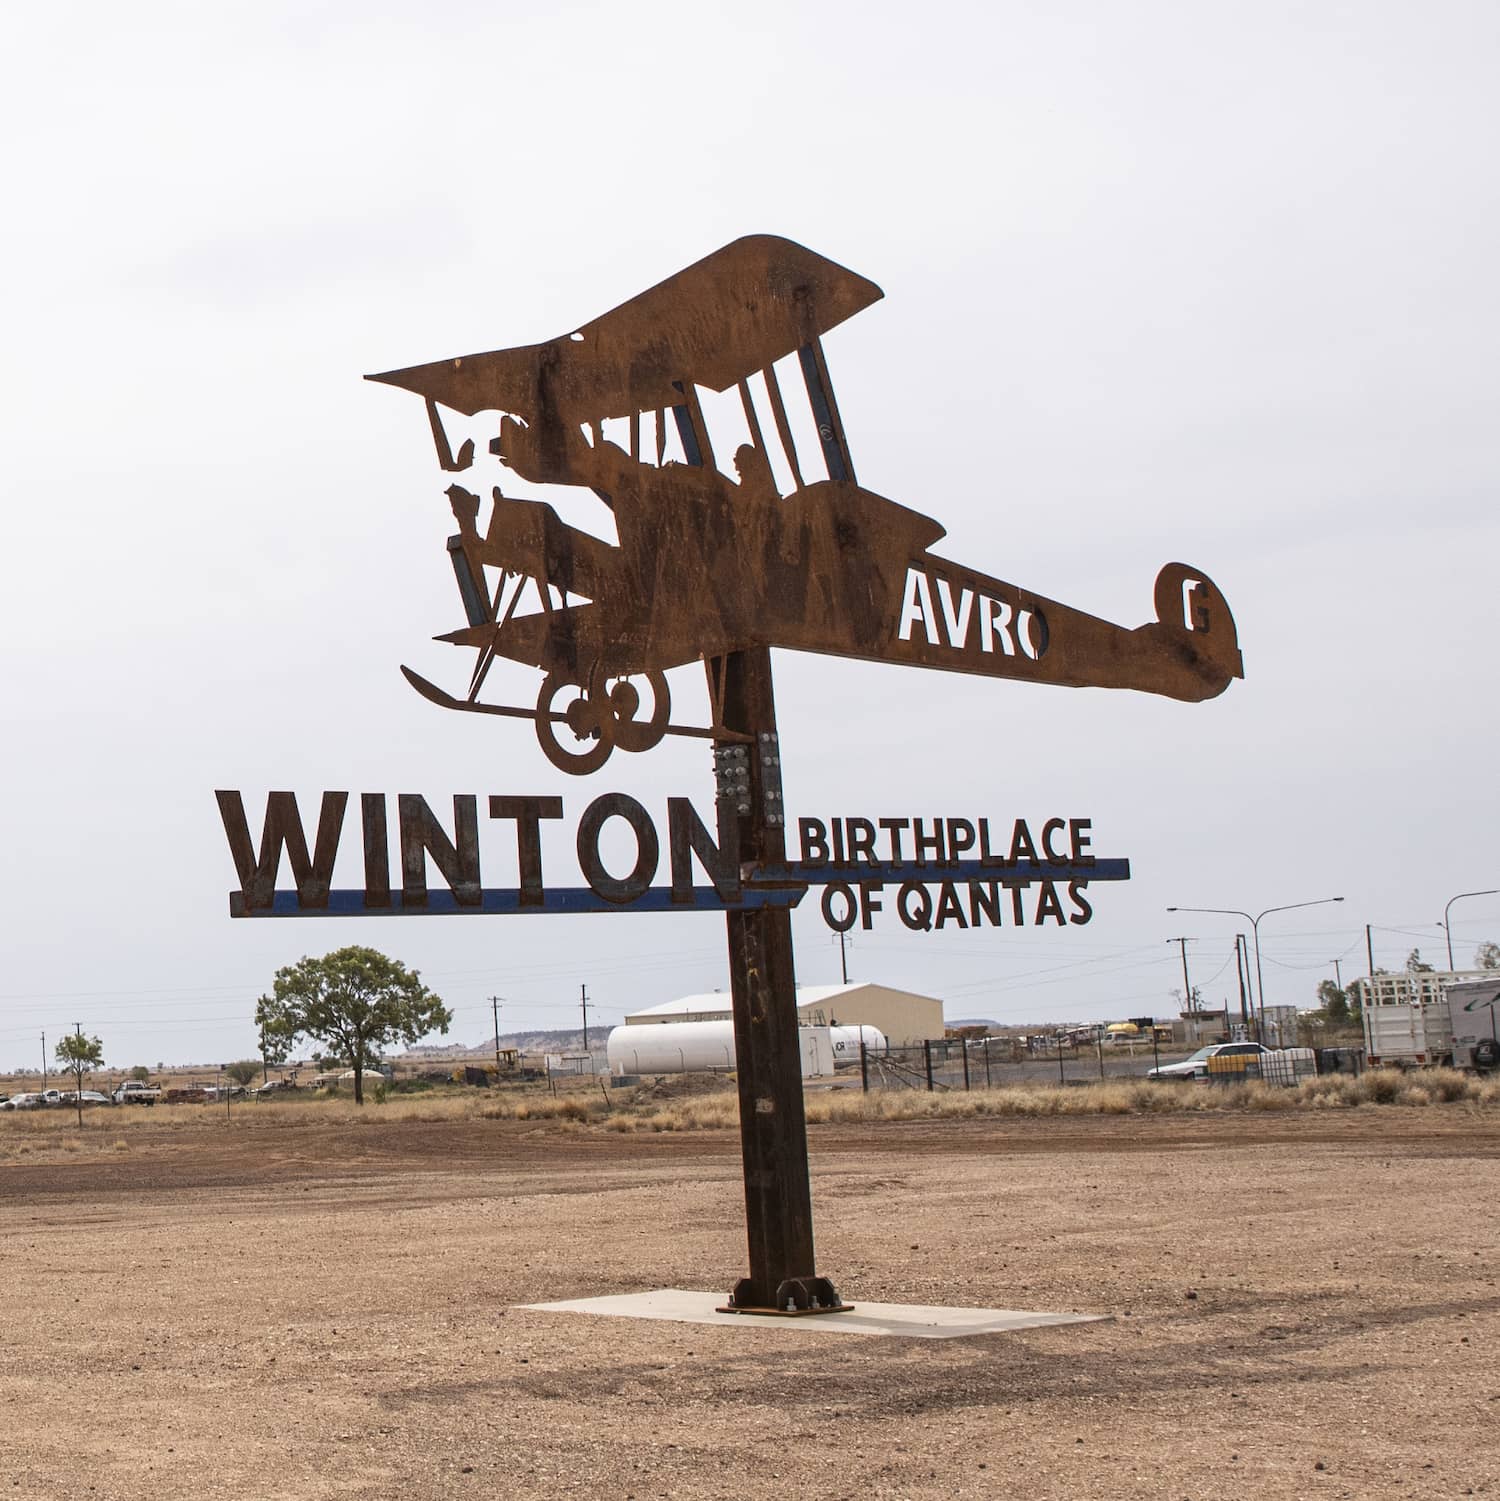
(773,1129)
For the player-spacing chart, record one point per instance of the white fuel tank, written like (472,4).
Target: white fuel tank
(697,1047)
(846,1041)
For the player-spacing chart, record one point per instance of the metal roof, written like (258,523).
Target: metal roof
(723,1001)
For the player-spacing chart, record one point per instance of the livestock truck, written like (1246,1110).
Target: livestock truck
(1458,1028)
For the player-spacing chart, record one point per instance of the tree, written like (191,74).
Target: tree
(1334,1001)
(273,1047)
(1415,964)
(243,1072)
(80,1055)
(1487,955)
(354,1000)
(140,1072)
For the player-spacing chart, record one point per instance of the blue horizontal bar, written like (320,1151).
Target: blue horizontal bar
(958,870)
(791,881)
(443,903)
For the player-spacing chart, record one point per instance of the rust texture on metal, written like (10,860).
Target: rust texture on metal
(528,813)
(723,552)
(714,555)
(773,1126)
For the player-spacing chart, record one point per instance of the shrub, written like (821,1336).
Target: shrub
(1449,1085)
(1337,1091)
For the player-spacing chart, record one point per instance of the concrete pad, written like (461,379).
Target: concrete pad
(910,1320)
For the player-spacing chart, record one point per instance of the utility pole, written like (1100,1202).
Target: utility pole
(1255,922)
(843,961)
(583,995)
(44,1060)
(1187,989)
(1370,955)
(495,1012)
(1241,969)
(1338,977)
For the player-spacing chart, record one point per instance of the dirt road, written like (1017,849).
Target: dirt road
(1302,1306)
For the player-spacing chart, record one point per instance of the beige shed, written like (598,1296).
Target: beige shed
(903,1016)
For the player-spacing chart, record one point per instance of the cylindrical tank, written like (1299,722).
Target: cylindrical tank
(696,1047)
(671,1048)
(846,1041)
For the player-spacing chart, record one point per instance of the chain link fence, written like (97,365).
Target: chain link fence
(994,1062)
(997,1062)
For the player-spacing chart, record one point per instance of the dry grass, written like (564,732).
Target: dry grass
(50,1133)
(721,1110)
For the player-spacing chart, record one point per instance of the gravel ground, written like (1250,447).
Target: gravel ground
(1302,1307)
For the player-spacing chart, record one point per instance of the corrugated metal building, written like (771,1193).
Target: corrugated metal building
(901,1015)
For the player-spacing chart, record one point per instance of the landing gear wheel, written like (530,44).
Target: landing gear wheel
(632,734)
(588,717)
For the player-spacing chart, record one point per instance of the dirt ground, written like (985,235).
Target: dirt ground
(1302,1306)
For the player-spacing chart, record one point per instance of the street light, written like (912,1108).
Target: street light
(1447,929)
(1260,984)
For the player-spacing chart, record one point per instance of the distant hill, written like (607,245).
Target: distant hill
(555,1040)
(544,1040)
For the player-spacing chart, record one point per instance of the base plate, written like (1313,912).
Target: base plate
(783,1313)
(909,1320)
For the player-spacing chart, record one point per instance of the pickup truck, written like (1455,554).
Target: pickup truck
(133,1092)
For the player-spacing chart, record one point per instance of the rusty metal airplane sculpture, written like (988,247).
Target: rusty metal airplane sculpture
(708,564)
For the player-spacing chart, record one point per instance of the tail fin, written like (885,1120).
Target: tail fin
(1192,611)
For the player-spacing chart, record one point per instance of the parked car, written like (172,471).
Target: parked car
(1196,1066)
(26,1101)
(72,1097)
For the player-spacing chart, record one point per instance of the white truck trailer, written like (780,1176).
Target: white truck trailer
(1457,1028)
(1474,1020)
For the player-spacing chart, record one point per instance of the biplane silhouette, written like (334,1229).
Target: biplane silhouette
(710,562)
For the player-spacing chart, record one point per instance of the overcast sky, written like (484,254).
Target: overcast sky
(1210,282)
